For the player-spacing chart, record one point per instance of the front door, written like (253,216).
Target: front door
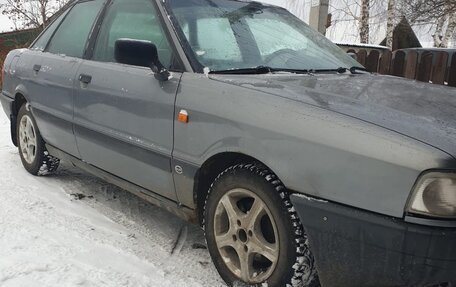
(123,115)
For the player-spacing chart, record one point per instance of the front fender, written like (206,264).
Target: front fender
(312,150)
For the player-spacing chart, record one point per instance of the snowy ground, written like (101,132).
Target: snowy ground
(50,237)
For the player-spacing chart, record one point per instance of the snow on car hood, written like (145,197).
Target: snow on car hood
(419,110)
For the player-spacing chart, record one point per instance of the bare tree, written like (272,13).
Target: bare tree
(454,39)
(427,11)
(439,27)
(365,15)
(445,28)
(441,14)
(364,30)
(450,31)
(30,13)
(390,23)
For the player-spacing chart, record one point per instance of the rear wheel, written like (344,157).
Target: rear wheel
(32,150)
(252,231)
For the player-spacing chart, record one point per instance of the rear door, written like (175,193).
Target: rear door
(123,115)
(55,72)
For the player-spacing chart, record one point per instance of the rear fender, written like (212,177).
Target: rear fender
(13,120)
(19,99)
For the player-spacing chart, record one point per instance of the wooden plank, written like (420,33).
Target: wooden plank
(398,65)
(452,72)
(385,63)
(439,68)
(362,56)
(411,64)
(425,67)
(372,61)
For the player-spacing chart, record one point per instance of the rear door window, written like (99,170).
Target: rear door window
(43,39)
(72,35)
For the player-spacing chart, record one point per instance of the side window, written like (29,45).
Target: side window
(71,37)
(41,43)
(133,19)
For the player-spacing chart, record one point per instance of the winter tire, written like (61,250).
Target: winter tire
(253,232)
(32,150)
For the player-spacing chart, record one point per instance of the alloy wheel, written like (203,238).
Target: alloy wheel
(246,236)
(27,139)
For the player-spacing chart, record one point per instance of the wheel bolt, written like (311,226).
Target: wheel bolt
(246,249)
(250,233)
(239,223)
(234,238)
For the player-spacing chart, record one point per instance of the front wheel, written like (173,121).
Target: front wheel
(32,150)
(253,233)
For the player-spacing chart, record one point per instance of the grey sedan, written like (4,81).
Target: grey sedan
(302,168)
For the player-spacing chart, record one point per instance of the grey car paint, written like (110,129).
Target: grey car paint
(416,109)
(53,96)
(348,139)
(124,123)
(46,81)
(313,149)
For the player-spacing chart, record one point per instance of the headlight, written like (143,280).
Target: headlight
(434,195)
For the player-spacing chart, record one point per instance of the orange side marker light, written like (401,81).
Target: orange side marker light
(183,116)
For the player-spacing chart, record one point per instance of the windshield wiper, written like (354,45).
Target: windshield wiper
(356,69)
(258,71)
(341,70)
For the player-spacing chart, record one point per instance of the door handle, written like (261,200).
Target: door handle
(86,79)
(37,68)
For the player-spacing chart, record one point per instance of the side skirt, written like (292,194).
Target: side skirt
(183,212)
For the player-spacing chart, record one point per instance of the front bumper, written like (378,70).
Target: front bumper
(359,248)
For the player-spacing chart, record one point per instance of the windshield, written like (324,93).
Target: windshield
(227,34)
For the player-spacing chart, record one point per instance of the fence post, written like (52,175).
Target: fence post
(452,72)
(440,68)
(425,67)
(372,61)
(385,63)
(362,56)
(398,65)
(411,64)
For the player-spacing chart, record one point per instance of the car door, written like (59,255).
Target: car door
(123,115)
(55,71)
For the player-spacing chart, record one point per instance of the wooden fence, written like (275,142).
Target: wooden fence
(433,65)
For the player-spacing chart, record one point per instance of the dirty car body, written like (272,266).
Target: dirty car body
(358,152)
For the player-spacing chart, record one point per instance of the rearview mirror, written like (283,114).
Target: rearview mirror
(140,53)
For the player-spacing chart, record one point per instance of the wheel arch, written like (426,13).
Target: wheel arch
(19,101)
(210,169)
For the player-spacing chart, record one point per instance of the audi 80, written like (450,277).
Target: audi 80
(302,168)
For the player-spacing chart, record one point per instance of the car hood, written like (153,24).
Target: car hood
(418,110)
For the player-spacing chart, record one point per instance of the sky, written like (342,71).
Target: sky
(5,23)
(340,32)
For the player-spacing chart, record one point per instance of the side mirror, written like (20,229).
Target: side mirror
(140,53)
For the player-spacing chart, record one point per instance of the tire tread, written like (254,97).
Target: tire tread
(305,273)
